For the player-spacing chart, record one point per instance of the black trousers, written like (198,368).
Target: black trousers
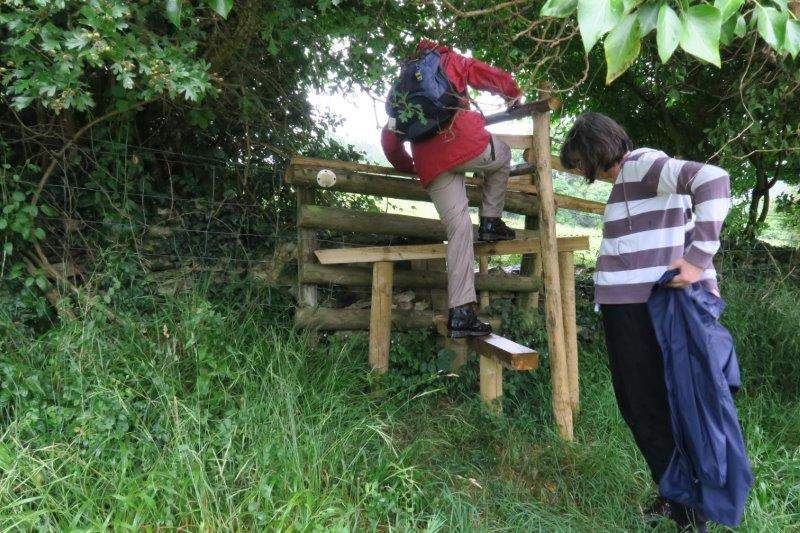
(637,373)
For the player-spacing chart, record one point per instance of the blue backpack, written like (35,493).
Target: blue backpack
(422,100)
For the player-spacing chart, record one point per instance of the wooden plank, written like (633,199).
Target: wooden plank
(409,252)
(387,186)
(380,316)
(327,319)
(491,383)
(563,201)
(566,265)
(351,220)
(349,276)
(510,354)
(540,157)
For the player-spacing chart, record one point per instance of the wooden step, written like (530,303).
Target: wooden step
(511,355)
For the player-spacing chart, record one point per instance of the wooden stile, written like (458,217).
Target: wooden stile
(540,158)
(380,316)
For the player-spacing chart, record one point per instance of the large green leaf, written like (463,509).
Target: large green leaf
(668,33)
(700,34)
(728,7)
(558,8)
(772,25)
(792,41)
(622,46)
(596,18)
(173,10)
(648,17)
(222,7)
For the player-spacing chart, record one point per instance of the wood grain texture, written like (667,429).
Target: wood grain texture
(491,383)
(540,158)
(350,276)
(484,297)
(327,319)
(436,251)
(380,322)
(566,265)
(510,354)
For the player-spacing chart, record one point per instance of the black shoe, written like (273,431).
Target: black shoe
(463,322)
(686,518)
(493,229)
(657,510)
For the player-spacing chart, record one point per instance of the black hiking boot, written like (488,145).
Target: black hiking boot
(687,519)
(492,229)
(657,510)
(463,322)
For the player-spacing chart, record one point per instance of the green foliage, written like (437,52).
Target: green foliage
(699,29)
(622,46)
(53,49)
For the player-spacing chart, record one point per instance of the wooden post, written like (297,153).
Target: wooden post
(306,246)
(380,319)
(540,158)
(483,268)
(529,263)
(566,264)
(491,383)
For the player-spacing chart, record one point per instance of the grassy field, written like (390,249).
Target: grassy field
(206,411)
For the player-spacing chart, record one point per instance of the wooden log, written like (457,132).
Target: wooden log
(483,270)
(491,383)
(372,254)
(540,157)
(395,187)
(412,279)
(380,322)
(510,354)
(563,201)
(351,220)
(327,319)
(566,265)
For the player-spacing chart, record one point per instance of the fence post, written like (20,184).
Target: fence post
(380,318)
(566,263)
(540,157)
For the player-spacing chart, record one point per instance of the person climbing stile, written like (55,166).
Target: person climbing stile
(429,106)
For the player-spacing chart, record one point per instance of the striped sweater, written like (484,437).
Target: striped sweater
(649,222)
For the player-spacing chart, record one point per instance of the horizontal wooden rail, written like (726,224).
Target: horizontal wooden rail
(363,182)
(383,181)
(436,251)
(351,220)
(327,319)
(412,279)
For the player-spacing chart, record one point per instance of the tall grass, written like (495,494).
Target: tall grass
(201,413)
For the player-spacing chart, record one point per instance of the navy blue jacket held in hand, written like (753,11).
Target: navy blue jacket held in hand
(709,470)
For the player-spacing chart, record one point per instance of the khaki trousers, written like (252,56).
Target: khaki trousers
(449,196)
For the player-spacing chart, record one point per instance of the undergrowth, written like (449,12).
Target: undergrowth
(206,410)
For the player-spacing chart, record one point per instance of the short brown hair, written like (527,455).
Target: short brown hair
(595,142)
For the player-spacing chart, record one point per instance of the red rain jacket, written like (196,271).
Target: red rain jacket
(466,137)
